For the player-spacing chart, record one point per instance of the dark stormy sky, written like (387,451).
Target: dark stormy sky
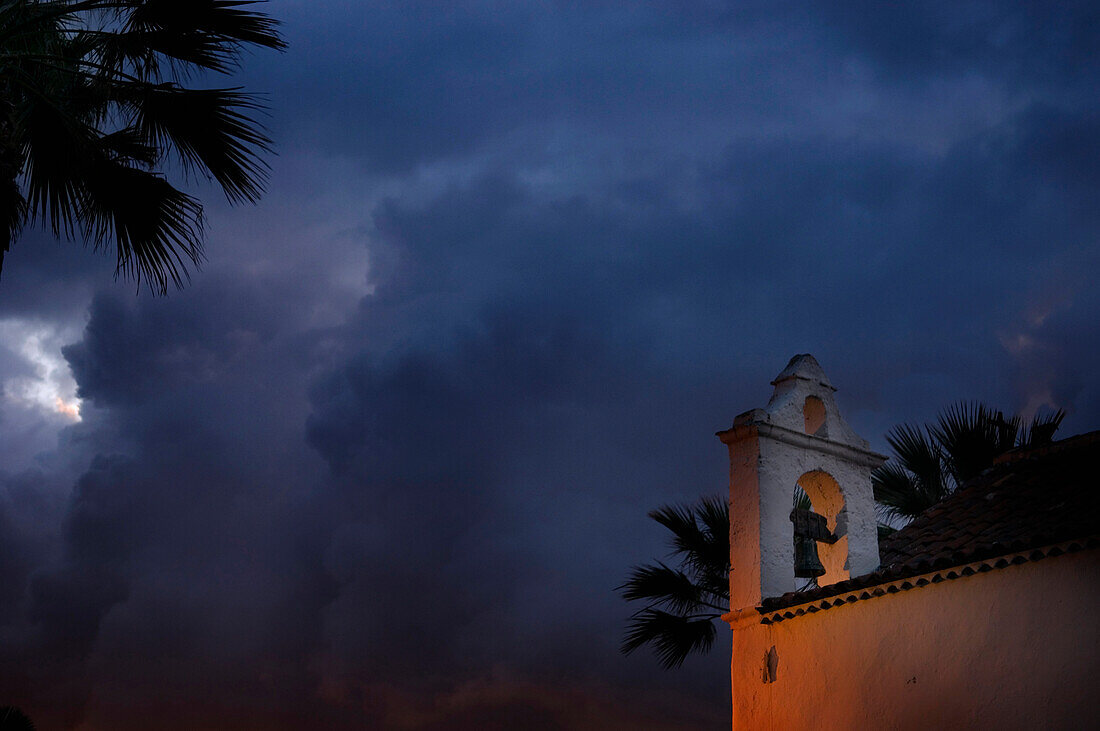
(383,462)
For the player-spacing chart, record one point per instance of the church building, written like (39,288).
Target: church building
(979,614)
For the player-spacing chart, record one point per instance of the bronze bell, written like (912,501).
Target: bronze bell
(807,564)
(809,528)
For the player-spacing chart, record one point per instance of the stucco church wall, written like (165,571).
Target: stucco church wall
(1014,648)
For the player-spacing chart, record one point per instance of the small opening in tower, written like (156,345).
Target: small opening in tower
(814,412)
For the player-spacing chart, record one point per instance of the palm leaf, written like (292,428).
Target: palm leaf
(199,34)
(224,21)
(13,206)
(712,556)
(154,227)
(965,440)
(664,586)
(682,604)
(209,129)
(899,494)
(13,719)
(95,103)
(58,149)
(918,454)
(687,538)
(129,145)
(672,637)
(700,534)
(801,499)
(972,436)
(1041,429)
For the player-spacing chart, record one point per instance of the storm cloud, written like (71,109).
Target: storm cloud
(384,461)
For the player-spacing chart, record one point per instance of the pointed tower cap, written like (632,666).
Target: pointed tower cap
(806,368)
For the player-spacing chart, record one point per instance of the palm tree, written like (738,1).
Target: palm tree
(13,719)
(97,103)
(931,461)
(681,605)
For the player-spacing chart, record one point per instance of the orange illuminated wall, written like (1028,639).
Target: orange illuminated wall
(1012,648)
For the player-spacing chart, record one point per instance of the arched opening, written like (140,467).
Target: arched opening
(813,411)
(827,500)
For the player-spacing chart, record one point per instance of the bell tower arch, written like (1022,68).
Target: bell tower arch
(798,438)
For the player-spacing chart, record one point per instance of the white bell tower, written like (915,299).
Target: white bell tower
(800,439)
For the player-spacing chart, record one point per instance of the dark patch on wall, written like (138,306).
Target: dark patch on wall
(771,665)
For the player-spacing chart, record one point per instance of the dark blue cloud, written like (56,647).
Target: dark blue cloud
(459,465)
(385,460)
(1015,40)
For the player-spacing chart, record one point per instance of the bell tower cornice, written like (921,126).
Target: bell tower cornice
(766,430)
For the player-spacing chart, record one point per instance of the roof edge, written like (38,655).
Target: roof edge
(892,581)
(1077,441)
